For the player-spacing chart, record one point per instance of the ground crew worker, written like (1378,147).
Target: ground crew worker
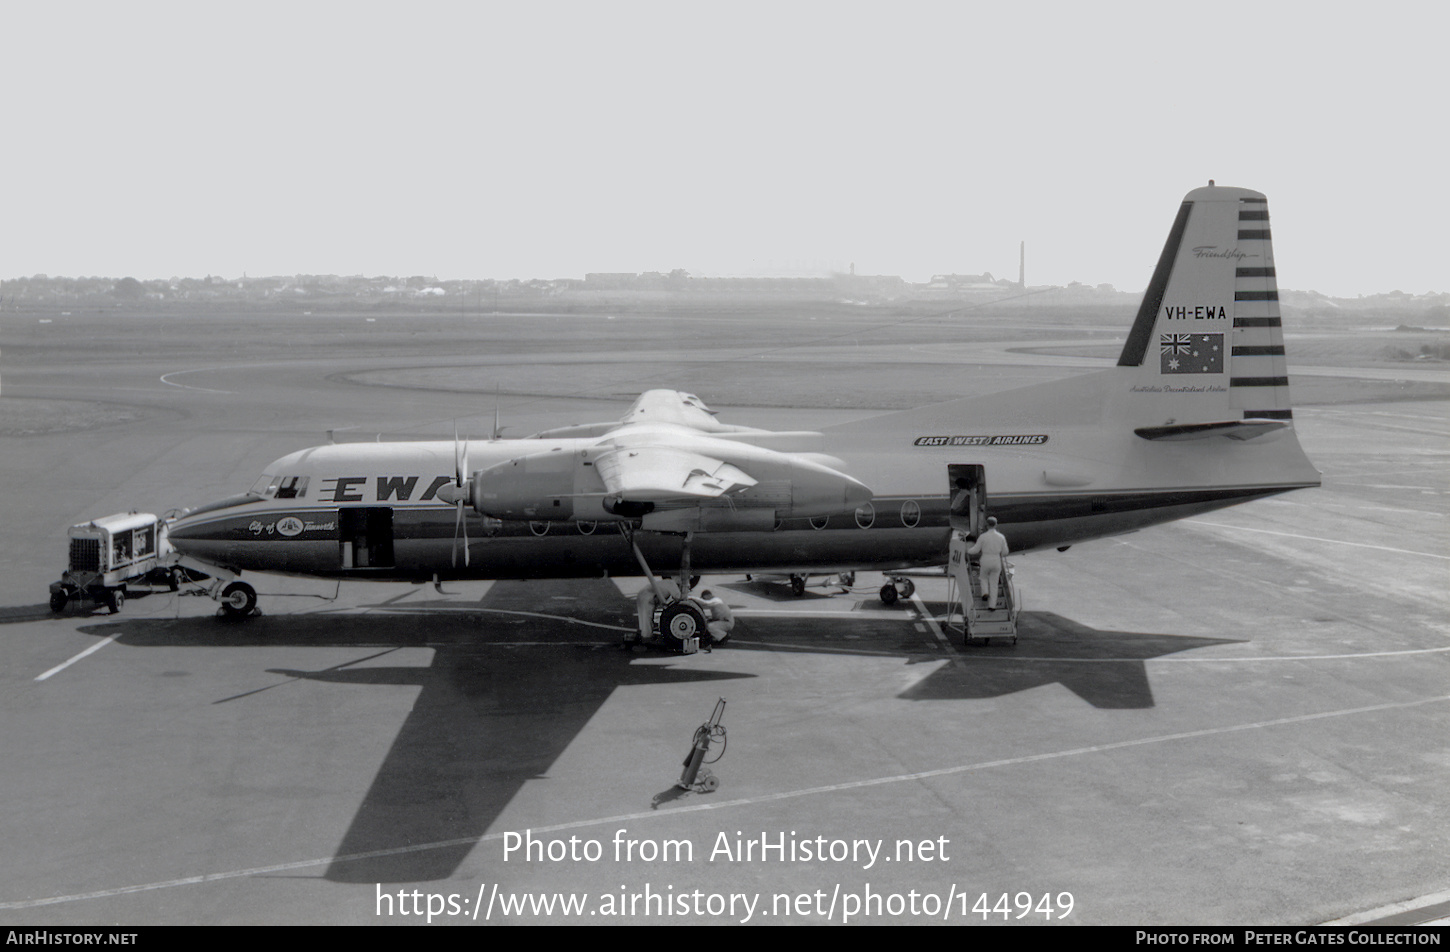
(718,618)
(991,546)
(646,602)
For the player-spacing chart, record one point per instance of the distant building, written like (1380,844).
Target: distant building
(965,282)
(613,281)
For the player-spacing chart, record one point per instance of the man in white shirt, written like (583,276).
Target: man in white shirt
(991,546)
(718,617)
(646,602)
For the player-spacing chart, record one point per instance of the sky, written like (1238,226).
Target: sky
(469,140)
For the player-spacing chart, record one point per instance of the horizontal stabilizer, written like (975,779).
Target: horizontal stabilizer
(1232,429)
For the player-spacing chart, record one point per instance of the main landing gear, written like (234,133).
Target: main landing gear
(682,625)
(665,613)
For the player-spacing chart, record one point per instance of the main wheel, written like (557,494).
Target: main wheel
(888,594)
(238,599)
(797,585)
(908,588)
(58,600)
(678,622)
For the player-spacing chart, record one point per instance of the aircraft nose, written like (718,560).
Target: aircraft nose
(183,531)
(197,526)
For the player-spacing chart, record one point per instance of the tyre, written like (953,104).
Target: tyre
(238,599)
(173,580)
(58,600)
(678,622)
(888,594)
(115,599)
(848,579)
(908,588)
(797,585)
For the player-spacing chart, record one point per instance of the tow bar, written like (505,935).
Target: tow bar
(697,776)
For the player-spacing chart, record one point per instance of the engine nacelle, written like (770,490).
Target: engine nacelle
(554,486)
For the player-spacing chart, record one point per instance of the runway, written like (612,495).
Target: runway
(1235,719)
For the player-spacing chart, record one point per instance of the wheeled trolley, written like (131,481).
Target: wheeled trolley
(110,553)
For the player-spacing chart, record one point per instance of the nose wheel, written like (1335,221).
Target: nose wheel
(238,600)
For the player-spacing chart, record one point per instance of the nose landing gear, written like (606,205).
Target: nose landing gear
(237,599)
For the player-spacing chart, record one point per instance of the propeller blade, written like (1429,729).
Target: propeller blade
(460,494)
(457,458)
(465,533)
(458,524)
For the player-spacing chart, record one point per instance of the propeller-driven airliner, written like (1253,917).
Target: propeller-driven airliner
(1194,417)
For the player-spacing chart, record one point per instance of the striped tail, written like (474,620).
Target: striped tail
(1207,343)
(1259,382)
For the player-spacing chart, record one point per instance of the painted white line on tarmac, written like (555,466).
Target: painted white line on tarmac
(66,664)
(941,638)
(183,386)
(814,649)
(1384,912)
(842,615)
(723,804)
(1211,660)
(1295,535)
(492,611)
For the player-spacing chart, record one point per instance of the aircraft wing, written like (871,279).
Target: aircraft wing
(671,406)
(662,473)
(675,408)
(669,456)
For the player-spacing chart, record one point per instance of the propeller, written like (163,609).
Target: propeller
(458,494)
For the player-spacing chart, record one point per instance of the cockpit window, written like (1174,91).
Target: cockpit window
(292,487)
(280,487)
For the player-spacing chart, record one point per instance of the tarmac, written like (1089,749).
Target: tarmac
(1236,719)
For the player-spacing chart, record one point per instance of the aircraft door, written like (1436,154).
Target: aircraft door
(366,537)
(967,487)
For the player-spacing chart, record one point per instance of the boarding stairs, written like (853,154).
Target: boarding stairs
(967,612)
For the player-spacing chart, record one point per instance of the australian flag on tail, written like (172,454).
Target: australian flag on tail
(1191,353)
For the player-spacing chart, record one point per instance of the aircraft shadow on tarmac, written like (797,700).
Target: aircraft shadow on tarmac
(1105,668)
(508,691)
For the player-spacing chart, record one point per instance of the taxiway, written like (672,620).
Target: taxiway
(1235,719)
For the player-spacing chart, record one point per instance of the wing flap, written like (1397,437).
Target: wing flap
(662,473)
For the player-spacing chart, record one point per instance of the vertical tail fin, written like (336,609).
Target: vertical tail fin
(1209,322)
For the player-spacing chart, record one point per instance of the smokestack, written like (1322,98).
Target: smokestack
(1022,266)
